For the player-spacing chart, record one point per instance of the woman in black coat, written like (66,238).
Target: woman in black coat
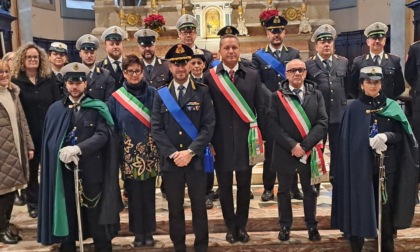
(38,91)
(374,125)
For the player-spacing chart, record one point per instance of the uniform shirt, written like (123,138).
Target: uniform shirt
(381,55)
(114,66)
(147,64)
(176,85)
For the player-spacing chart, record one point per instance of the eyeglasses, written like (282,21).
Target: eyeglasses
(188,32)
(132,72)
(294,70)
(34,58)
(4,72)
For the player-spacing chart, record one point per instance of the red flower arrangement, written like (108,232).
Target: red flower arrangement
(154,22)
(267,14)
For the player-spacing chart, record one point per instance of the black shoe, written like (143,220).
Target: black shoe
(251,194)
(314,234)
(296,195)
(18,201)
(18,237)
(33,213)
(138,240)
(231,237)
(284,234)
(148,240)
(6,238)
(243,235)
(216,194)
(267,195)
(209,203)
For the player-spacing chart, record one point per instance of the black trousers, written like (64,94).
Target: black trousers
(239,219)
(269,175)
(142,210)
(90,215)
(32,190)
(175,185)
(210,184)
(6,207)
(333,137)
(285,179)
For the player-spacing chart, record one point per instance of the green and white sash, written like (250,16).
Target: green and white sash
(132,104)
(234,97)
(301,120)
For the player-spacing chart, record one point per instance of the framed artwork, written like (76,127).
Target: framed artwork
(80,9)
(44,4)
(342,4)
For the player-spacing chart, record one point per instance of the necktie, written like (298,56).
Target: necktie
(89,76)
(180,93)
(232,75)
(376,60)
(117,68)
(59,77)
(327,65)
(297,91)
(149,69)
(277,53)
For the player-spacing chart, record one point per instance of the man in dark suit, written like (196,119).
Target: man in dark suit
(78,131)
(230,139)
(113,37)
(181,152)
(187,32)
(100,82)
(292,144)
(156,70)
(393,84)
(57,54)
(331,75)
(271,75)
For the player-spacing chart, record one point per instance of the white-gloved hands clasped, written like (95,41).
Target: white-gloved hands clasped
(378,143)
(70,154)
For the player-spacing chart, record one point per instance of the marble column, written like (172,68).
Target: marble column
(398,29)
(25,20)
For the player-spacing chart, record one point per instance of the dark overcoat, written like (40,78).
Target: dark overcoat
(230,138)
(171,137)
(333,84)
(101,84)
(284,132)
(268,76)
(393,84)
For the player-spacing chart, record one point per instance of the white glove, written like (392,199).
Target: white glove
(378,142)
(70,154)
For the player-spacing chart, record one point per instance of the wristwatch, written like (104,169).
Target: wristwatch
(191,152)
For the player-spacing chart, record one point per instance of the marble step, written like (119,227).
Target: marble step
(332,240)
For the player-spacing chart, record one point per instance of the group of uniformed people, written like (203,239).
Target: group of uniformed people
(148,116)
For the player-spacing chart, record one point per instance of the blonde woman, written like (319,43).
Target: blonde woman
(32,73)
(17,149)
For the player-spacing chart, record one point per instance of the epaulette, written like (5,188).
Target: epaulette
(99,70)
(166,85)
(201,84)
(106,61)
(313,57)
(285,48)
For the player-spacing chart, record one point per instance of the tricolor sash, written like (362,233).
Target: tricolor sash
(186,124)
(132,104)
(301,120)
(271,60)
(234,97)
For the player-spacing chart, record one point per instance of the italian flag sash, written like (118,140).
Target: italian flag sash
(133,105)
(234,97)
(301,120)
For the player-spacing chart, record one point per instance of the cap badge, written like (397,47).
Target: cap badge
(373,71)
(228,30)
(180,49)
(115,30)
(59,46)
(326,28)
(89,38)
(377,27)
(145,33)
(276,20)
(76,67)
(186,18)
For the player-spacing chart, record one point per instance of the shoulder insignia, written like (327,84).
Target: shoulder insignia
(98,70)
(159,61)
(385,55)
(266,48)
(367,56)
(106,61)
(285,48)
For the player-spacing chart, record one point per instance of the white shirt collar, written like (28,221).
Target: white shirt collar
(112,60)
(319,56)
(227,69)
(197,77)
(76,101)
(381,55)
(153,62)
(274,49)
(92,69)
(185,84)
(301,88)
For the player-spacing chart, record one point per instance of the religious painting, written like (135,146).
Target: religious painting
(79,9)
(44,4)
(342,4)
(212,17)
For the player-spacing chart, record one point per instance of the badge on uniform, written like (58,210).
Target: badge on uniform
(193,106)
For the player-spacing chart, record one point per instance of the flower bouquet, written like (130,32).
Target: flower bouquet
(267,14)
(154,22)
